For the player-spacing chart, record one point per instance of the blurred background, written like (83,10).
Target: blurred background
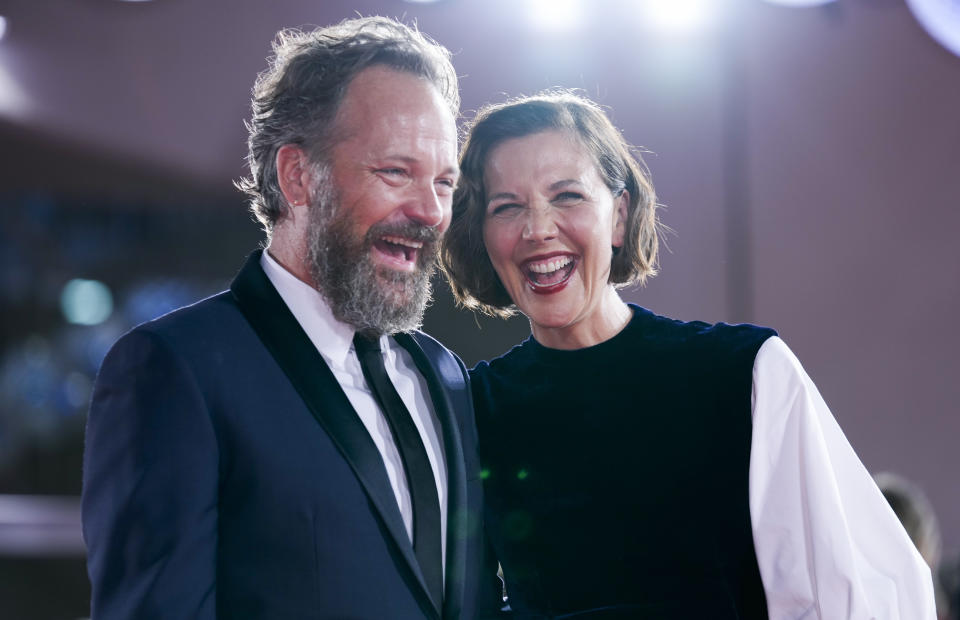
(807,154)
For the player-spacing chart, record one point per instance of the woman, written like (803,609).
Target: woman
(638,466)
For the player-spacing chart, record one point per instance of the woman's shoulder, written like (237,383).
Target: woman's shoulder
(497,382)
(519,355)
(664,331)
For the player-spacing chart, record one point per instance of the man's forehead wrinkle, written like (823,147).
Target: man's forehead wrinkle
(353,121)
(389,116)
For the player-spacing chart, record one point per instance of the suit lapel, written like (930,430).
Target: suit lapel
(456,477)
(289,345)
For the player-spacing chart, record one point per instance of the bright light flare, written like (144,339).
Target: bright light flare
(555,15)
(799,2)
(679,17)
(941,20)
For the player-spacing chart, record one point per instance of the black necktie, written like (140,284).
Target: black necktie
(423,487)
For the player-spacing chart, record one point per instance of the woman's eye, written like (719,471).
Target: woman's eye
(504,209)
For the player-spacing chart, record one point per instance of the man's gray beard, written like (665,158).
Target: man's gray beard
(374,301)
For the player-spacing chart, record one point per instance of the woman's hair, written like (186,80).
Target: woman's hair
(464,256)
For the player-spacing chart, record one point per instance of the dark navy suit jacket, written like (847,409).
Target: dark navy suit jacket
(226,475)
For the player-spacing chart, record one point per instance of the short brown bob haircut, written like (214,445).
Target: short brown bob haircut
(464,258)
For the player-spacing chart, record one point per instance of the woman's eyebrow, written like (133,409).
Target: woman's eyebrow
(502,195)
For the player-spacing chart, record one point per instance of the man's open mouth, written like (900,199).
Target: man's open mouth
(551,274)
(401,250)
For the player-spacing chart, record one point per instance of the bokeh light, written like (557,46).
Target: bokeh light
(86,302)
(678,17)
(941,20)
(76,389)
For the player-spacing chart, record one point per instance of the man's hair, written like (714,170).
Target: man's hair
(296,99)
(464,258)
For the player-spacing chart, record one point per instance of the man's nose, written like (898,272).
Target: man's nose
(540,224)
(427,207)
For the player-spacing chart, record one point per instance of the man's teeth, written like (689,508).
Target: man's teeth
(404,242)
(551,265)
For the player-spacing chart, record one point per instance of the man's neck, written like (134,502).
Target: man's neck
(291,261)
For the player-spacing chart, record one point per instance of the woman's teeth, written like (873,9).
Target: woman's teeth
(551,265)
(545,274)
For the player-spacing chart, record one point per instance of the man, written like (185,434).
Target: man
(242,460)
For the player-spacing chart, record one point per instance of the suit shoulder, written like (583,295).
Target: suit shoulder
(202,311)
(185,328)
(209,316)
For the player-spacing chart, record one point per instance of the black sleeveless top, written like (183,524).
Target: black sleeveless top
(615,476)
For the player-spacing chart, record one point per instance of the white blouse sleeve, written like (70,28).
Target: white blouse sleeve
(828,544)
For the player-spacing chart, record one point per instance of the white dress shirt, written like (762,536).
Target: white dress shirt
(334,341)
(827,543)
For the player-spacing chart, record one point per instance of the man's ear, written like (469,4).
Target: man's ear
(620,218)
(293,174)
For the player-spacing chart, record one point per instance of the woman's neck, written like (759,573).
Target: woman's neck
(601,324)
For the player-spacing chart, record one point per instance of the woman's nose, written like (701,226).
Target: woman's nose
(539,224)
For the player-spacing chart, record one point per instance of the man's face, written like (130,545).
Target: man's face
(383,200)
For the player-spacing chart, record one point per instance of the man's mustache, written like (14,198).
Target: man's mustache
(428,235)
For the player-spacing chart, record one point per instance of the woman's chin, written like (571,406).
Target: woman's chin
(549,319)
(550,310)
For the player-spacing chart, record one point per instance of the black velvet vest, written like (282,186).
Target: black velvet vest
(616,476)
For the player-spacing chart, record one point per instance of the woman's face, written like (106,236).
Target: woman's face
(549,229)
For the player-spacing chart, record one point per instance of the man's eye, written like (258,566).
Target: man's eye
(450,183)
(392,171)
(568,197)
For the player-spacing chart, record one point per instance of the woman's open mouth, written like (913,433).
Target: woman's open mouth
(549,275)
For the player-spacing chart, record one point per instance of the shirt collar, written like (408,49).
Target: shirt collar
(332,338)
